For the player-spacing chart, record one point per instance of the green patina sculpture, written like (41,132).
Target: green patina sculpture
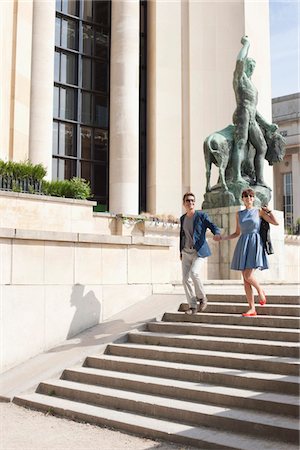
(239,150)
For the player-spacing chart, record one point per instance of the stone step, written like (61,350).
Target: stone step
(212,380)
(185,390)
(238,378)
(223,344)
(198,436)
(239,308)
(234,319)
(266,333)
(191,413)
(239,298)
(231,360)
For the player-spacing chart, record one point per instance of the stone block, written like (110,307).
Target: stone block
(114,264)
(129,228)
(104,239)
(7,232)
(214,247)
(42,235)
(160,265)
(5,261)
(59,263)
(78,307)
(28,263)
(235,274)
(213,271)
(22,324)
(119,297)
(139,265)
(88,265)
(225,252)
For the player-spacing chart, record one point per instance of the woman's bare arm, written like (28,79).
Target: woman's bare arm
(268,215)
(235,234)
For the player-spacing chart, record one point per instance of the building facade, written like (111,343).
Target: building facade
(123,93)
(286,113)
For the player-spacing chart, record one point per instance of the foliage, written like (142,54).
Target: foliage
(27,177)
(75,188)
(294,229)
(22,170)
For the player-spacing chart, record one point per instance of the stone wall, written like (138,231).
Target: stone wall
(55,284)
(64,268)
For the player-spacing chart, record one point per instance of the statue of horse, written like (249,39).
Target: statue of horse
(218,148)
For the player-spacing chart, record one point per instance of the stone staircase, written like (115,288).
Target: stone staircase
(215,380)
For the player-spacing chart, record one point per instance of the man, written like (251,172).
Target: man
(248,122)
(193,249)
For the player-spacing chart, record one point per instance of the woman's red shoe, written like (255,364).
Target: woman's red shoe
(263,301)
(249,314)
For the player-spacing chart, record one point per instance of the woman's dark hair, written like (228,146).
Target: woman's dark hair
(247,192)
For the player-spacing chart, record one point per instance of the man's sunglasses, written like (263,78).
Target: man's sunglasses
(248,195)
(190,200)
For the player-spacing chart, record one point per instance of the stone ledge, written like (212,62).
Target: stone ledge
(47,198)
(7,232)
(103,239)
(155,240)
(42,235)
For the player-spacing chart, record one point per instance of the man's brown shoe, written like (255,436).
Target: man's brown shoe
(202,304)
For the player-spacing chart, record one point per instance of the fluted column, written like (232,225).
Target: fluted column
(124,108)
(42,79)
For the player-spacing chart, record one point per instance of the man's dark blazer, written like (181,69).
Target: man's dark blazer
(201,223)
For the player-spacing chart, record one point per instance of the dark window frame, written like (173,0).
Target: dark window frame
(102,126)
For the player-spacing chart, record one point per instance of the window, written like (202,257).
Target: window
(81,93)
(288,200)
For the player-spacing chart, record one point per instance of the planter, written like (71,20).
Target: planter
(144,226)
(156,228)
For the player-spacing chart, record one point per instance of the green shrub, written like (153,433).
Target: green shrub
(22,170)
(27,177)
(38,172)
(75,188)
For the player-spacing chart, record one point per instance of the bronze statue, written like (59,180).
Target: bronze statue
(239,150)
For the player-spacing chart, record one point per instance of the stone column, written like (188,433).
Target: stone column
(164,106)
(124,108)
(42,79)
(7,60)
(16,55)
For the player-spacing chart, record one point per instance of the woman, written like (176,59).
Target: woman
(249,253)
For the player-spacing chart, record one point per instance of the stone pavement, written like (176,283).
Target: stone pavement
(23,429)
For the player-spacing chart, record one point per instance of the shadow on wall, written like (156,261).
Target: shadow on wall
(88,309)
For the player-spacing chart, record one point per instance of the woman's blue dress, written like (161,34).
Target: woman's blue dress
(249,252)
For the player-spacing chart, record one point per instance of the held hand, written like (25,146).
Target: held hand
(217,238)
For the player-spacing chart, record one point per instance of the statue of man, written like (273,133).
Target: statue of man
(248,122)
